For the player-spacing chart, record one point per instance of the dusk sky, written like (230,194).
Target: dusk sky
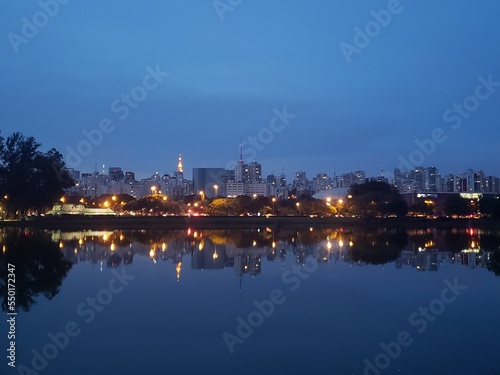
(232,69)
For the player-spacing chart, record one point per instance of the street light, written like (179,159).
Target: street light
(153,189)
(298,207)
(202,194)
(216,188)
(254,195)
(274,201)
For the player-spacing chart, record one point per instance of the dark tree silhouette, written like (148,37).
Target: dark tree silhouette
(29,178)
(40,267)
(456,205)
(374,198)
(375,247)
(490,205)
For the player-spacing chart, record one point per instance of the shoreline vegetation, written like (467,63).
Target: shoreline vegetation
(238,222)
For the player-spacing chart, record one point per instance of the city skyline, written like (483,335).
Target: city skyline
(289,172)
(361,84)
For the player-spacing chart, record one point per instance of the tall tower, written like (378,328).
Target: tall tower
(179,174)
(282,176)
(179,164)
(240,166)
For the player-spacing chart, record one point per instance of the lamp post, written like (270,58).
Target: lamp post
(274,201)
(202,195)
(216,188)
(298,207)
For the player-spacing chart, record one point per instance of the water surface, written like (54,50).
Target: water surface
(258,301)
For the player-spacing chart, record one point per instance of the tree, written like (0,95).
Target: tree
(375,198)
(30,178)
(456,205)
(221,207)
(490,206)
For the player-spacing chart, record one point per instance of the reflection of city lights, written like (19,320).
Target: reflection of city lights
(329,245)
(254,243)
(341,243)
(152,253)
(351,244)
(178,270)
(112,247)
(189,231)
(61,245)
(105,237)
(163,246)
(201,245)
(195,234)
(80,242)
(473,244)
(215,255)
(121,237)
(75,251)
(274,244)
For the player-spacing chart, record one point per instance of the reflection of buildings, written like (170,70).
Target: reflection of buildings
(426,251)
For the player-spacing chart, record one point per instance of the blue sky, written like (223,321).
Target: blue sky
(227,76)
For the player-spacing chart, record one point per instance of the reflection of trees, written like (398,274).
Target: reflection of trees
(489,242)
(378,247)
(493,263)
(40,267)
(456,241)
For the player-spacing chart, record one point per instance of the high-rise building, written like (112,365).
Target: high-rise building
(115,174)
(431,179)
(179,173)
(209,180)
(254,172)
(300,180)
(129,177)
(321,182)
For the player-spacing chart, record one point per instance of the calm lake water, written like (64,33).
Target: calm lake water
(313,301)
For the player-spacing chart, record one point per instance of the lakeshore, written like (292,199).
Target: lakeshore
(240,222)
